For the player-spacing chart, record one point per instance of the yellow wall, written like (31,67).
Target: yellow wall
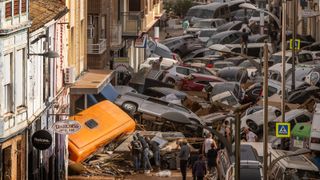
(77,43)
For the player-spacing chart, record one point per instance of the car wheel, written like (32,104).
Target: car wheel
(170,81)
(130,107)
(277,113)
(253,126)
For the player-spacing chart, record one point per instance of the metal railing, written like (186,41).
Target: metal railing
(131,22)
(98,48)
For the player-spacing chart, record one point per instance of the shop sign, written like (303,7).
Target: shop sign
(41,139)
(66,127)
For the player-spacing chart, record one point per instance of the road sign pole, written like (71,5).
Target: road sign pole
(265,113)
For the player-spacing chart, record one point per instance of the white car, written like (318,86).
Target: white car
(253,117)
(166,62)
(176,73)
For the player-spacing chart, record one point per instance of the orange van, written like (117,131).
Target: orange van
(100,124)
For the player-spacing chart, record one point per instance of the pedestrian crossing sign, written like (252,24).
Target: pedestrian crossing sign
(283,130)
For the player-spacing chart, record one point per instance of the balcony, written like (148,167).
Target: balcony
(131,23)
(116,36)
(98,48)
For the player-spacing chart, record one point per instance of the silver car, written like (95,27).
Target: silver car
(134,102)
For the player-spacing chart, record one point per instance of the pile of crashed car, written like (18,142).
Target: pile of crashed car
(196,89)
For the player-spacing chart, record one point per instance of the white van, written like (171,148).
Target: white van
(315,130)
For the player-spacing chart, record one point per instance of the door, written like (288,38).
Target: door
(13,159)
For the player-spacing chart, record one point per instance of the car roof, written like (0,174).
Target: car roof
(295,162)
(211,20)
(224,33)
(228,25)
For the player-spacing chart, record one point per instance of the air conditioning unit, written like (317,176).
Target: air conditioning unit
(69,75)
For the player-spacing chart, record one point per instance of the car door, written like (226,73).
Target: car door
(182,72)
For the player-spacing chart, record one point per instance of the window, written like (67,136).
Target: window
(134,5)
(23,6)
(91,124)
(8,10)
(182,71)
(103,27)
(7,84)
(302,118)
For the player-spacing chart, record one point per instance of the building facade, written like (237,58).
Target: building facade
(14,24)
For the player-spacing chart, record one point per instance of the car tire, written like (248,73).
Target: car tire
(130,108)
(253,126)
(171,81)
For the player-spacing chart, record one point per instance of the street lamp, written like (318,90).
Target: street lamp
(290,154)
(49,54)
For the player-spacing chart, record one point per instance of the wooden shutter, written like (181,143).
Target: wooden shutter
(8,9)
(23,6)
(16,7)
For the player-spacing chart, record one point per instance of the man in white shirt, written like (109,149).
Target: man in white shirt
(250,136)
(208,143)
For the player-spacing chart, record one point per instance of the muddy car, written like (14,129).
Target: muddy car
(235,74)
(196,81)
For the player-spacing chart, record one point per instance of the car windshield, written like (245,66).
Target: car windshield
(194,12)
(206,14)
(220,88)
(202,24)
(276,59)
(206,33)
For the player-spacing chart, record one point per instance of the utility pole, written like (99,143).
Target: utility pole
(294,15)
(283,77)
(237,145)
(265,113)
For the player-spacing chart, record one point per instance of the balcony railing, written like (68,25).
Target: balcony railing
(98,48)
(131,23)
(116,35)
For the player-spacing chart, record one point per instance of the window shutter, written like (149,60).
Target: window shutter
(16,7)
(23,6)
(8,9)
(19,78)
(7,69)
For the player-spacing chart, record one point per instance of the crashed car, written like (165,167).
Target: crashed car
(253,117)
(293,117)
(160,92)
(215,88)
(196,81)
(237,74)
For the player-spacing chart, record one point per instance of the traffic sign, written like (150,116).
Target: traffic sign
(296,44)
(283,130)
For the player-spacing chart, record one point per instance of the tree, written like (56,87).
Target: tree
(180,7)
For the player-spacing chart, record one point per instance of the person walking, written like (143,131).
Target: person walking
(136,150)
(145,154)
(185,26)
(244,41)
(199,169)
(250,136)
(154,146)
(207,144)
(212,159)
(184,155)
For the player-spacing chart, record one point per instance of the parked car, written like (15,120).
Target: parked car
(236,74)
(226,37)
(232,25)
(182,45)
(166,62)
(176,73)
(208,11)
(199,53)
(134,102)
(253,117)
(160,92)
(100,124)
(215,88)
(250,167)
(205,34)
(294,116)
(205,24)
(196,81)
(314,49)
(294,167)
(303,57)
(315,131)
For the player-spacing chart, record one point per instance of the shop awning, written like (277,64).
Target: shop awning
(92,82)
